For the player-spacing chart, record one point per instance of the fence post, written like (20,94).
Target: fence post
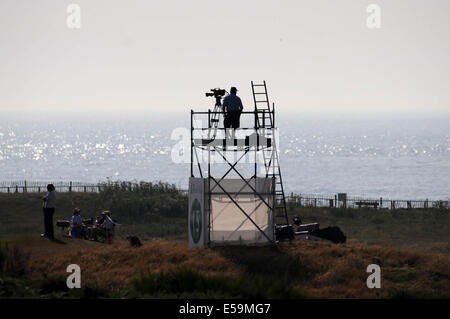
(39,189)
(70,186)
(17,189)
(392,204)
(25,187)
(381,202)
(8,189)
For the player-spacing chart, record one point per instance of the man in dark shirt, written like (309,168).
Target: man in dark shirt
(232,104)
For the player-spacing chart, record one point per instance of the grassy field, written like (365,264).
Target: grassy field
(411,246)
(162,213)
(161,268)
(419,229)
(158,211)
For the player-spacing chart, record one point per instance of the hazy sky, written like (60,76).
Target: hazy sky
(161,56)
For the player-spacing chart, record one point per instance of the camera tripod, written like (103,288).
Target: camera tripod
(215,119)
(216,112)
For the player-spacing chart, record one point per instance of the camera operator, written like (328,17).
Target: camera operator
(233,106)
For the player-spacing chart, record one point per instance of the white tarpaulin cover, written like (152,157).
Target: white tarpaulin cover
(228,223)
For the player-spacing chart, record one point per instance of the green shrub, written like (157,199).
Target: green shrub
(142,201)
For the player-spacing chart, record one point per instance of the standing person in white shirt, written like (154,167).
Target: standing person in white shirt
(49,209)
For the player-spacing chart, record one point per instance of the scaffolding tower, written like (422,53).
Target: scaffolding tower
(236,193)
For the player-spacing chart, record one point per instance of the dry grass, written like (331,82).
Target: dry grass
(324,270)
(113,266)
(339,271)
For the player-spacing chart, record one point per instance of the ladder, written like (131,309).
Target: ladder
(265,119)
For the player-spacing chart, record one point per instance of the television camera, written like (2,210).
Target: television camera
(218,94)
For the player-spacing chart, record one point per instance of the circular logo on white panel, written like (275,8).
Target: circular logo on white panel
(196,221)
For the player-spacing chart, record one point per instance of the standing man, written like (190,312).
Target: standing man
(49,209)
(233,106)
(108,225)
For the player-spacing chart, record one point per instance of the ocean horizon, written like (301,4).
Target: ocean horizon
(389,157)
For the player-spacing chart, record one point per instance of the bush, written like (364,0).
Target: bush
(141,202)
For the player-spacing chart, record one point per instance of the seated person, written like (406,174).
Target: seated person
(77,221)
(101,219)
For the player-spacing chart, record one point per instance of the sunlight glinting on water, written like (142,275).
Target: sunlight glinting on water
(394,158)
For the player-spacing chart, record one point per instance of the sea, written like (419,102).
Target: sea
(391,157)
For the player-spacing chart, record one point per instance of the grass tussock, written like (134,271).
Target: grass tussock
(13,260)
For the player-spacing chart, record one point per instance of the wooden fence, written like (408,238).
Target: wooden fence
(82,187)
(308,200)
(294,200)
(37,187)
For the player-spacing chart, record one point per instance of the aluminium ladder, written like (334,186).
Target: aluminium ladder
(265,119)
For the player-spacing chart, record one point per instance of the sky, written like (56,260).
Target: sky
(160,57)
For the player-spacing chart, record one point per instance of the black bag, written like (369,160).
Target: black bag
(333,234)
